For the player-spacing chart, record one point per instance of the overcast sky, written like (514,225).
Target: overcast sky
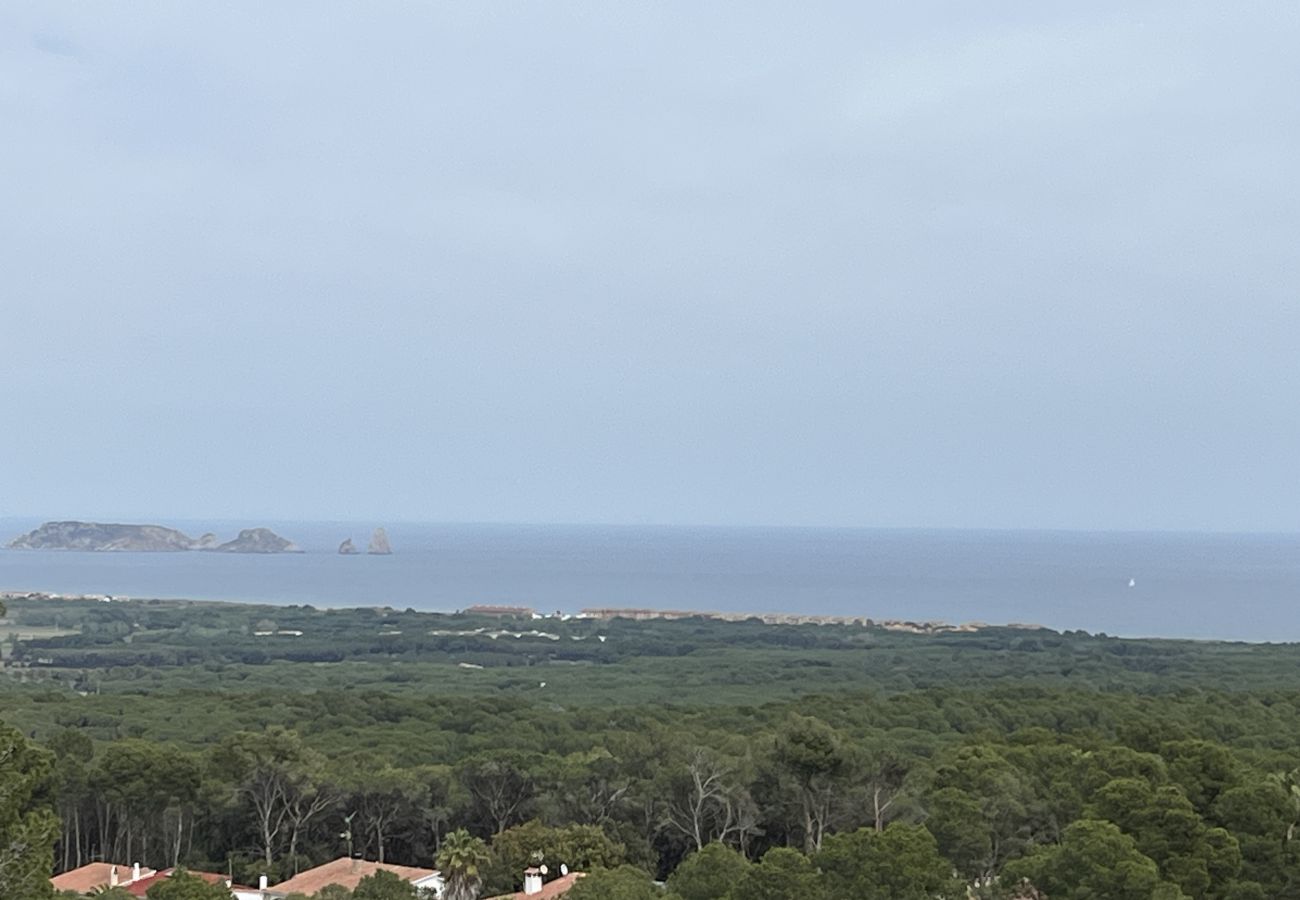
(842,263)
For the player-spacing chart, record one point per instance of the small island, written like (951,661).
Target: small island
(99,537)
(258,540)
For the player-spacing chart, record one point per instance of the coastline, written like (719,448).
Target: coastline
(1205,587)
(592,613)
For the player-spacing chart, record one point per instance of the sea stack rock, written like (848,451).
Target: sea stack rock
(347,548)
(379,545)
(207,542)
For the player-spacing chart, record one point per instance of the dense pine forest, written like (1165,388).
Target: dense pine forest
(730,759)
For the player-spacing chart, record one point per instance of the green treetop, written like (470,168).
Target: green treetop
(28,826)
(708,874)
(181,885)
(622,883)
(384,885)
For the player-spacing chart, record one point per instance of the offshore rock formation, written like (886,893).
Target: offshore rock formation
(258,540)
(379,545)
(98,537)
(104,538)
(347,548)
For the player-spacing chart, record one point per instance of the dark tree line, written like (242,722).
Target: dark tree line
(1029,806)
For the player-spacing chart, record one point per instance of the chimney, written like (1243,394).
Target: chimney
(532,882)
(262,883)
(112,877)
(135,872)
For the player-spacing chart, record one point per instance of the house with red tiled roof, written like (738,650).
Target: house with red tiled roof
(141,887)
(348,873)
(97,875)
(536,889)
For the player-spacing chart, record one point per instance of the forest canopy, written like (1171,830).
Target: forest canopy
(731,759)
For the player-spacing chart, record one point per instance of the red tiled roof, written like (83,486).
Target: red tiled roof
(557,888)
(347,872)
(93,875)
(141,887)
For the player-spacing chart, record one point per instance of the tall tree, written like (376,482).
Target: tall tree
(884,773)
(811,756)
(28,825)
(978,810)
(704,801)
(73,752)
(380,795)
(501,789)
(435,801)
(270,771)
(589,787)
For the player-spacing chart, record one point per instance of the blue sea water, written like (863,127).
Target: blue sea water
(1242,587)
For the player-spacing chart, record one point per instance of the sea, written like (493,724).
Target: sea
(1184,585)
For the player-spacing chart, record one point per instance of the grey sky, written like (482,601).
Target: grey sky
(1013,265)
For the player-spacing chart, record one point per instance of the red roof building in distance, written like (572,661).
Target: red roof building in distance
(348,873)
(141,887)
(534,889)
(96,875)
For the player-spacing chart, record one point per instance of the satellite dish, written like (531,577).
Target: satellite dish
(542,869)
(564,870)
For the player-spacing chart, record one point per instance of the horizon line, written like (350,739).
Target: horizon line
(720,526)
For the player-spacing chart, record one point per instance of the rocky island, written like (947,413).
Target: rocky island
(379,545)
(98,537)
(258,540)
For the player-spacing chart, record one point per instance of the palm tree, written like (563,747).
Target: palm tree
(461,862)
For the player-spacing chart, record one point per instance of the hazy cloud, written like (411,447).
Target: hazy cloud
(730,263)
